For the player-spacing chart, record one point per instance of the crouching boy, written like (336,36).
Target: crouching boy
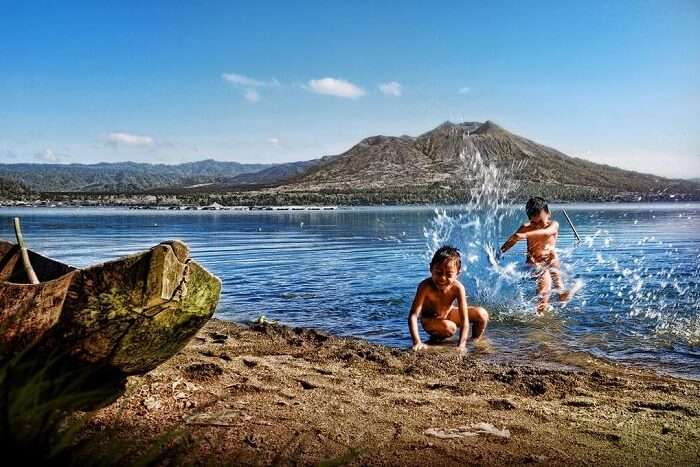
(434,303)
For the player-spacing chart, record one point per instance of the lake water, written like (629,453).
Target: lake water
(354,271)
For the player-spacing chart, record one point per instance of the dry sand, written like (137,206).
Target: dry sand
(273,395)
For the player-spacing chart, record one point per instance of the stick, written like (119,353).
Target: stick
(31,275)
(578,239)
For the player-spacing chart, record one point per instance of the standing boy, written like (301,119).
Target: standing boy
(541,233)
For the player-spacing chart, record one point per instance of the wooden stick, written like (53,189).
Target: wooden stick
(578,239)
(31,275)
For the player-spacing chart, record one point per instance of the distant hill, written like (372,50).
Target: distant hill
(10,187)
(280,172)
(439,160)
(122,176)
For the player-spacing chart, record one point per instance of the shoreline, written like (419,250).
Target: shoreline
(268,393)
(215,206)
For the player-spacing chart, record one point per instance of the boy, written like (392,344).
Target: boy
(434,301)
(541,234)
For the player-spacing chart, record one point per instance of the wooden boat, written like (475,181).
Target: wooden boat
(130,314)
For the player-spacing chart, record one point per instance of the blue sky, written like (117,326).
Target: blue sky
(613,82)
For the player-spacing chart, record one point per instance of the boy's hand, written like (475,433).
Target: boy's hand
(419,346)
(462,349)
(520,236)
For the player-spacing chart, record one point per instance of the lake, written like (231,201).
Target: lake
(353,272)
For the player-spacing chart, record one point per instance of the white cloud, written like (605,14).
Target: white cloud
(47,155)
(251,95)
(392,88)
(128,139)
(235,78)
(274,141)
(336,87)
(464,90)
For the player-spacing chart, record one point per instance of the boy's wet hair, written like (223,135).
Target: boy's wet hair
(446,253)
(535,205)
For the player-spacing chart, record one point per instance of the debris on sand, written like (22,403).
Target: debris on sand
(489,429)
(450,433)
(465,431)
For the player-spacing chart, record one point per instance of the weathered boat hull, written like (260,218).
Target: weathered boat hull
(131,314)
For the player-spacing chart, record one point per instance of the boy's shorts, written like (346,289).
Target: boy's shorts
(534,270)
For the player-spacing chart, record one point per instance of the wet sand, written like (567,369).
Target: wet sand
(273,395)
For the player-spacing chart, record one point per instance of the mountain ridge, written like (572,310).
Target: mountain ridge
(122,176)
(435,166)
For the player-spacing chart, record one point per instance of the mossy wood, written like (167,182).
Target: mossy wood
(131,314)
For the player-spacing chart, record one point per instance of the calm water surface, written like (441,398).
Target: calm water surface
(354,272)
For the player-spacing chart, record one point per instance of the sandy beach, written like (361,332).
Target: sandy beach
(273,395)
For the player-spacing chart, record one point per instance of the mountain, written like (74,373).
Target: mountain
(444,158)
(122,176)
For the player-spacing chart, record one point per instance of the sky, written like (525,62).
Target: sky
(276,81)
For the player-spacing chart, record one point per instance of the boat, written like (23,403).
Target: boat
(130,314)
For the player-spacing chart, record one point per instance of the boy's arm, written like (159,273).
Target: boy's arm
(551,229)
(513,239)
(464,315)
(416,309)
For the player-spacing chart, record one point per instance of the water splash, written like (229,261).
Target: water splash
(477,228)
(652,302)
